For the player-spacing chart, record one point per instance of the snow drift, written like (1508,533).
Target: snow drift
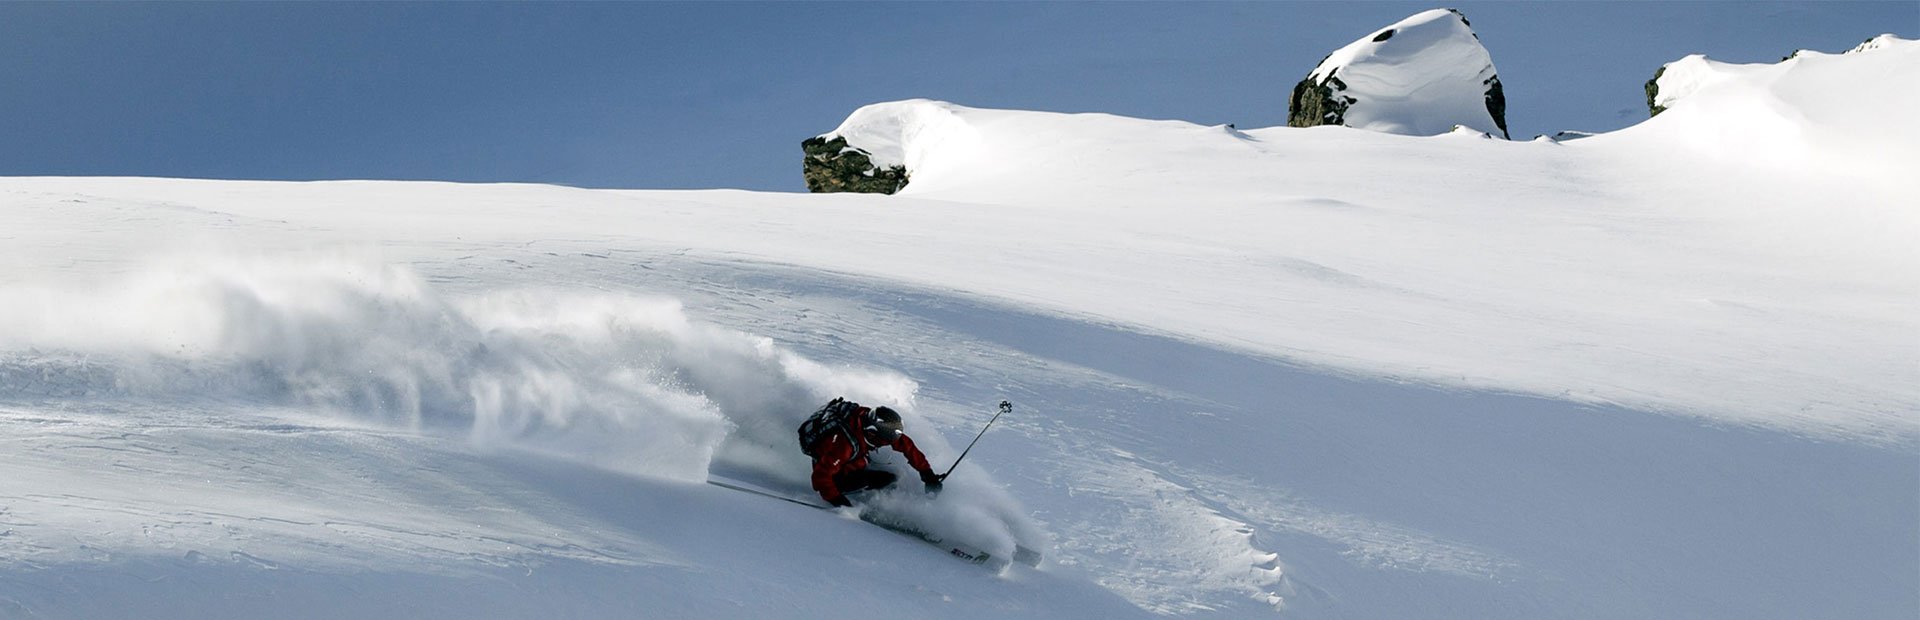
(1841,114)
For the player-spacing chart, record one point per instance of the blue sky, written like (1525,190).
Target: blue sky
(699,95)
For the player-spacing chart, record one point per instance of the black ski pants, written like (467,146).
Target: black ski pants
(864,479)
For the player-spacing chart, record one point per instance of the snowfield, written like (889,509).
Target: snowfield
(1668,371)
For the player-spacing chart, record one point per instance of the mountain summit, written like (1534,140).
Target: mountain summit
(1421,76)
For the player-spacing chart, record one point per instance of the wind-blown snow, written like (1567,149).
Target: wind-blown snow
(1421,76)
(1660,372)
(622,382)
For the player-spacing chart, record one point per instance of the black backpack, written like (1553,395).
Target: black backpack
(836,417)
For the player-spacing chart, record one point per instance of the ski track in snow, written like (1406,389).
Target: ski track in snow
(1379,544)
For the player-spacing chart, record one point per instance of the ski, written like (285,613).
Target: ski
(962,551)
(882,520)
(746,489)
(1026,556)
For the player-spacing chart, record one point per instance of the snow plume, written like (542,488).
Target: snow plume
(623,382)
(972,509)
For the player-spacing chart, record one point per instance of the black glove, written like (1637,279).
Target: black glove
(932,481)
(840,500)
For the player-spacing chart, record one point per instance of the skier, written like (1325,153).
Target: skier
(840,458)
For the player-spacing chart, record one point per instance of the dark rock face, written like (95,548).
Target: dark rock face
(1323,104)
(1315,104)
(1653,91)
(833,166)
(1497,104)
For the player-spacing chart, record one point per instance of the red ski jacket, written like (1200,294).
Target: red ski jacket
(834,456)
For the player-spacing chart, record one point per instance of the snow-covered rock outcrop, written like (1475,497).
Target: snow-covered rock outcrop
(880,146)
(1421,76)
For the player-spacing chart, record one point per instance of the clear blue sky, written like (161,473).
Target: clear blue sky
(671,95)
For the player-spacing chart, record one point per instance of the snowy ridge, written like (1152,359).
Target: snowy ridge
(1835,113)
(1879,42)
(1326,241)
(1421,76)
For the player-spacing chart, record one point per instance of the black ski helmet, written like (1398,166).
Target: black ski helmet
(884,426)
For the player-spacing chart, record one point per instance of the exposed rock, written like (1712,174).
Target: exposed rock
(1496,98)
(1314,104)
(831,165)
(1653,93)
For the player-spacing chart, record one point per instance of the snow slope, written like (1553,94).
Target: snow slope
(1314,372)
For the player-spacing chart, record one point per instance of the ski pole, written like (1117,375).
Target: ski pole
(1005,407)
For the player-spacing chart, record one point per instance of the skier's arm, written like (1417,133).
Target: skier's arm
(833,453)
(904,445)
